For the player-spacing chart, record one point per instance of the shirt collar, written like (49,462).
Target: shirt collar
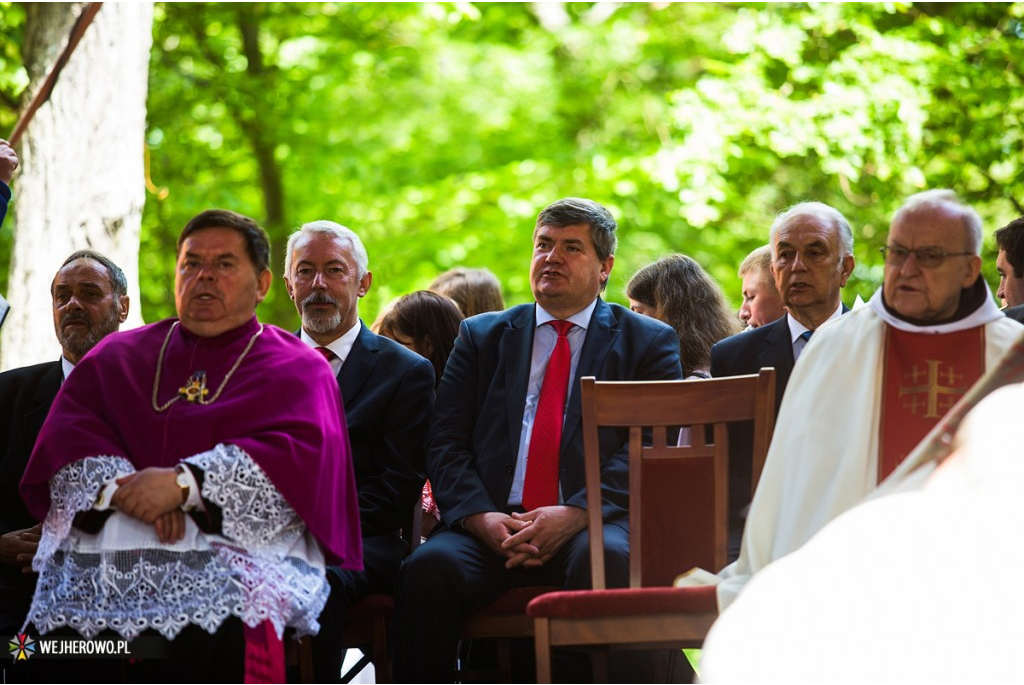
(580,318)
(66,367)
(796,329)
(341,345)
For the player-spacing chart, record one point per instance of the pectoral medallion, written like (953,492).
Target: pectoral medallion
(195,390)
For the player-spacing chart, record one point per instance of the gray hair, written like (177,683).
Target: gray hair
(118,282)
(943,198)
(324,227)
(822,211)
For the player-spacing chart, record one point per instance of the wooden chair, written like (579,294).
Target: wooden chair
(503,620)
(678,511)
(367,625)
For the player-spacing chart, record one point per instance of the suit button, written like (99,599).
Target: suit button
(509,469)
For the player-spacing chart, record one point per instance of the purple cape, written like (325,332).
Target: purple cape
(281,406)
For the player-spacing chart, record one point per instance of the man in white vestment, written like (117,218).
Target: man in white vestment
(871,384)
(910,599)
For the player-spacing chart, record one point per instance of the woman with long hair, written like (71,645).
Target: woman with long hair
(676,290)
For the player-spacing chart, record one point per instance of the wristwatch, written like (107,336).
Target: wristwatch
(183,481)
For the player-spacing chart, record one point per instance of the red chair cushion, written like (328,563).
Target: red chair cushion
(624,602)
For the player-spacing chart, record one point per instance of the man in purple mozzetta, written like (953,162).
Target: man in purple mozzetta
(195,476)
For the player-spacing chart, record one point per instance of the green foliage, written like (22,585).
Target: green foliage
(438,131)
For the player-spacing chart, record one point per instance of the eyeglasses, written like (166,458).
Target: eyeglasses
(927,257)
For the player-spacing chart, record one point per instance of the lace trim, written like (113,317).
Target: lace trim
(254,512)
(73,489)
(250,575)
(132,591)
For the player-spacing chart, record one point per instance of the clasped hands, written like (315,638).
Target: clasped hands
(527,540)
(18,547)
(152,496)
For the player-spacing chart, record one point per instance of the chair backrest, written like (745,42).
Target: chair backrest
(678,513)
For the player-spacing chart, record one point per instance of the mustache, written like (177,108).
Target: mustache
(319,298)
(72,317)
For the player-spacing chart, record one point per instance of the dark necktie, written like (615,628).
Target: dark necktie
(327,354)
(806,336)
(541,486)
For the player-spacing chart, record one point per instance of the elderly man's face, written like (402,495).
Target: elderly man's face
(325,286)
(85,307)
(1011,288)
(929,294)
(216,286)
(807,264)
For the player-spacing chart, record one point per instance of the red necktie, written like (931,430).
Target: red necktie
(541,486)
(327,354)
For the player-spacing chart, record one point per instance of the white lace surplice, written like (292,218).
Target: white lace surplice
(265,565)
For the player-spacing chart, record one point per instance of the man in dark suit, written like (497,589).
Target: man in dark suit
(508,477)
(90,301)
(387,392)
(812,258)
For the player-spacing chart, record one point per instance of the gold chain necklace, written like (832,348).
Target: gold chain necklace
(196,393)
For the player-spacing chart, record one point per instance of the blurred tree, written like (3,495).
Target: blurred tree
(438,130)
(80,182)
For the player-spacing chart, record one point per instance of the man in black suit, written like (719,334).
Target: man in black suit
(90,301)
(812,258)
(497,532)
(387,392)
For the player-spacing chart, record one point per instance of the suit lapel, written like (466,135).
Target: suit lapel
(359,364)
(601,335)
(516,347)
(778,350)
(43,398)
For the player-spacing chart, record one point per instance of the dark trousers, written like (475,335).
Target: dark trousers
(382,557)
(454,574)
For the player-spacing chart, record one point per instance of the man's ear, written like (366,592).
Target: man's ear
(971,270)
(847,269)
(364,283)
(123,315)
(263,285)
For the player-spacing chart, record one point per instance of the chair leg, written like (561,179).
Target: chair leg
(599,664)
(306,660)
(381,655)
(542,649)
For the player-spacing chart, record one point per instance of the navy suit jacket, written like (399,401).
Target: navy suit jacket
(473,443)
(25,398)
(388,395)
(745,353)
(750,351)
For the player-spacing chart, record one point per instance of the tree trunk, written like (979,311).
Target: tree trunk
(81,183)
